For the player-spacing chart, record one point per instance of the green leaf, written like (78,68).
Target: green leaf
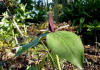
(67,45)
(31,44)
(32,68)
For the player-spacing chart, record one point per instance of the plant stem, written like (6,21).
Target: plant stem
(58,63)
(57,58)
(49,53)
(96,42)
(15,24)
(96,45)
(16,40)
(6,7)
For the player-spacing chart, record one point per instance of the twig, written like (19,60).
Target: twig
(14,22)
(1,15)
(6,7)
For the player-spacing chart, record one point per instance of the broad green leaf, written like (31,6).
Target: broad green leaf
(67,45)
(31,44)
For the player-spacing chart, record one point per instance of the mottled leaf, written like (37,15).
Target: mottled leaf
(29,45)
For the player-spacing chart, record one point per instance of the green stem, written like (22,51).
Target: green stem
(96,45)
(57,58)
(48,53)
(96,41)
(58,63)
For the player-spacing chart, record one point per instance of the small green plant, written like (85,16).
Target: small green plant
(65,45)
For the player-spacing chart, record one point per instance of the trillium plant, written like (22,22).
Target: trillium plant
(64,44)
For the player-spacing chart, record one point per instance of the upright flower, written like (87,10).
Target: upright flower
(50,20)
